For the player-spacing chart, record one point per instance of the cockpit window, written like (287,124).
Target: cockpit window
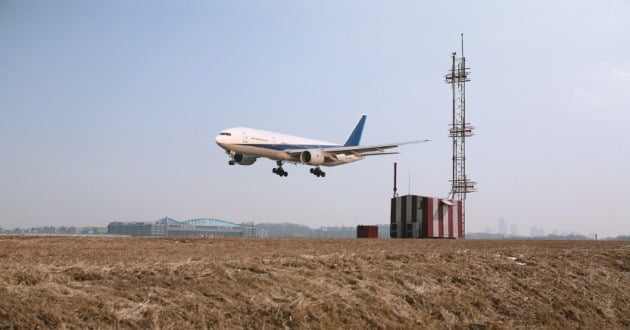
(226,134)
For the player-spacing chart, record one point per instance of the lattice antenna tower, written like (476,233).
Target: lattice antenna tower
(459,130)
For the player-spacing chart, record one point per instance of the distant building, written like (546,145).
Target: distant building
(426,217)
(93,231)
(502,226)
(536,232)
(513,230)
(191,228)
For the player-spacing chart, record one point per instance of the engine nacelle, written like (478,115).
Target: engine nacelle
(244,159)
(312,157)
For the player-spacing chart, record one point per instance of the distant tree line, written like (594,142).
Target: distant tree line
(50,230)
(297,230)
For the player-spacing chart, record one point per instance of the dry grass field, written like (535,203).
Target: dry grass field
(80,282)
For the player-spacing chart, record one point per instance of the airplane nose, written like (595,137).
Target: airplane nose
(221,140)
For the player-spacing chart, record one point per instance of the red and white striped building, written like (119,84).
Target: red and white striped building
(426,217)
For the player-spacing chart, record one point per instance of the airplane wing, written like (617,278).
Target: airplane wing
(372,150)
(379,153)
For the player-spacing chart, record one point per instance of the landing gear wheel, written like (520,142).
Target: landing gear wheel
(279,171)
(317,172)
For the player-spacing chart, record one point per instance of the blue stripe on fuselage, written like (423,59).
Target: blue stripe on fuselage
(287,147)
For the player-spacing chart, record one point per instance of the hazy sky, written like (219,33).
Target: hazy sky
(109,110)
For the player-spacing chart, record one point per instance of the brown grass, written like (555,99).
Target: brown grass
(56,282)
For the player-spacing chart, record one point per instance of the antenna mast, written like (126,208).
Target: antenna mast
(459,130)
(395,176)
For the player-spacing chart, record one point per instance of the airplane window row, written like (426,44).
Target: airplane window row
(226,134)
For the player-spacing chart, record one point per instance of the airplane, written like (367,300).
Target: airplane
(245,145)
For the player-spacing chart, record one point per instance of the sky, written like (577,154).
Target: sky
(109,109)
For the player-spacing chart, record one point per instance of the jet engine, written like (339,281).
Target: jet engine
(244,159)
(312,157)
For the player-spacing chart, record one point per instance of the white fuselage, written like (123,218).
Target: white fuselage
(275,146)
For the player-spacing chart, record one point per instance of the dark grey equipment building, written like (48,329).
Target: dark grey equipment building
(168,227)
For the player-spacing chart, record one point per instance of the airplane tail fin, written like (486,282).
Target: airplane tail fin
(355,137)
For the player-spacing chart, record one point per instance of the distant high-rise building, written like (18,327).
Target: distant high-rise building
(514,230)
(502,226)
(536,232)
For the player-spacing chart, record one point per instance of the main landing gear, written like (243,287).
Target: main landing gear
(279,171)
(318,172)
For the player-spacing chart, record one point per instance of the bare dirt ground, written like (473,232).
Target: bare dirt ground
(80,282)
